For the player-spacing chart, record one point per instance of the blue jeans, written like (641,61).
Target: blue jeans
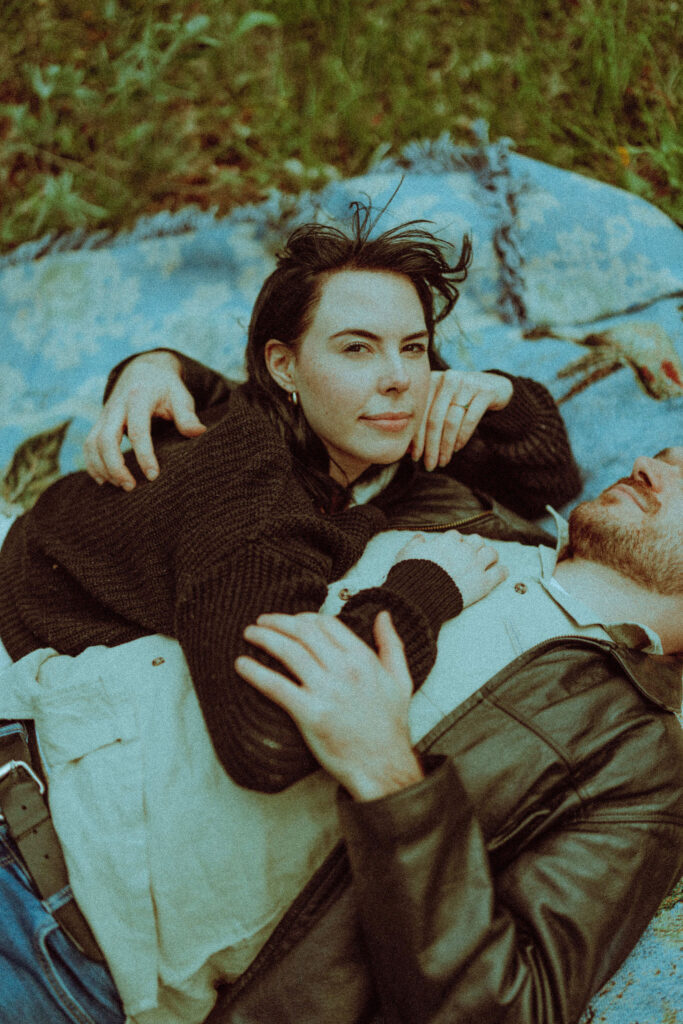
(44,979)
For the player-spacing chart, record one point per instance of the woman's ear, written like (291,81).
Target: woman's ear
(280,360)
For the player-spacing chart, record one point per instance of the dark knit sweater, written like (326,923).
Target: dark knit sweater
(224,534)
(227,532)
(520,455)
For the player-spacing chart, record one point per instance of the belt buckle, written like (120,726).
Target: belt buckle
(11,766)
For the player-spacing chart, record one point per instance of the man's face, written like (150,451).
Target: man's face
(636,525)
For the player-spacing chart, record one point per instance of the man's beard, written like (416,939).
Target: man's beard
(640,553)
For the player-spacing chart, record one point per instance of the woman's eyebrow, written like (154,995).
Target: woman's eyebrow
(359,332)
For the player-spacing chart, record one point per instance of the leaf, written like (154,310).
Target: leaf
(34,467)
(198,24)
(252,20)
(43,86)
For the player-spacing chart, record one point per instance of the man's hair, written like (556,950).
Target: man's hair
(286,305)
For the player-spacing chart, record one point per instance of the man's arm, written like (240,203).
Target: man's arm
(351,705)
(451,940)
(450,937)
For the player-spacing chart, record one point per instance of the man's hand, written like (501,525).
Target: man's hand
(471,563)
(150,385)
(352,704)
(457,401)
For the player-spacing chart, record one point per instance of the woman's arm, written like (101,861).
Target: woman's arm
(162,384)
(500,434)
(205,385)
(257,742)
(495,432)
(521,454)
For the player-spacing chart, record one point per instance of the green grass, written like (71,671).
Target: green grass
(113,108)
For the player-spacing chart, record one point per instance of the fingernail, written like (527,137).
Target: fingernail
(99,480)
(152,474)
(128,486)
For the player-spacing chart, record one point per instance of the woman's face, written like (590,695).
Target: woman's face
(361,369)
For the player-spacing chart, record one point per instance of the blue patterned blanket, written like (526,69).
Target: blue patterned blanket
(575,283)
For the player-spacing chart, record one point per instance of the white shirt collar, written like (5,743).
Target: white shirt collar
(362,493)
(631,634)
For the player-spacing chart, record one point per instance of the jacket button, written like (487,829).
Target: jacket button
(158,661)
(520,588)
(344,594)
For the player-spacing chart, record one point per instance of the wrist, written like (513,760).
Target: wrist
(162,359)
(515,420)
(375,782)
(428,585)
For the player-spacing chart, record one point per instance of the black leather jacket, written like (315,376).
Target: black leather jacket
(513,880)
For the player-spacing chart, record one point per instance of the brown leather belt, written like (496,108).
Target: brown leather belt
(24,809)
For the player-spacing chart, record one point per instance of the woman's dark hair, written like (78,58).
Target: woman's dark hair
(286,305)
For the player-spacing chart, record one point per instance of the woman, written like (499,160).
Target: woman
(286,480)
(257,513)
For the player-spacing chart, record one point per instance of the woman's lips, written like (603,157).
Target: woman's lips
(390,422)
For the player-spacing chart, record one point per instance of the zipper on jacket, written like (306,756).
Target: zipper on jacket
(436,527)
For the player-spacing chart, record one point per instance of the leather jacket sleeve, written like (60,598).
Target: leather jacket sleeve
(451,937)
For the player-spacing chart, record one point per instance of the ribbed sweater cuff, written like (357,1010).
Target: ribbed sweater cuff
(521,411)
(426,584)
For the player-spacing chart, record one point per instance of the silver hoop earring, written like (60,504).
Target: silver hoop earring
(294,397)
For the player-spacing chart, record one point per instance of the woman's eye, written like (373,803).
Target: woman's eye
(357,346)
(415,346)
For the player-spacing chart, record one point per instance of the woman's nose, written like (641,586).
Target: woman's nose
(649,471)
(394,376)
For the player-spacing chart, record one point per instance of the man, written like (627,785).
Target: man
(503,868)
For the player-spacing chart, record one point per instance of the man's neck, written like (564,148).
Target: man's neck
(617,598)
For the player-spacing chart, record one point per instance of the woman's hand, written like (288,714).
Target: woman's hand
(352,704)
(471,563)
(150,385)
(457,401)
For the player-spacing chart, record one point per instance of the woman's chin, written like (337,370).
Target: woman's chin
(389,454)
